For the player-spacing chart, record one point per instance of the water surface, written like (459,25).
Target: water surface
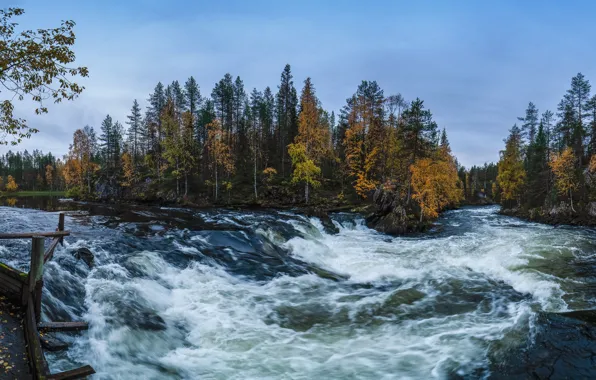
(219,294)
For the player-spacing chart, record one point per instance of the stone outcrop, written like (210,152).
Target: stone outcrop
(580,215)
(392,215)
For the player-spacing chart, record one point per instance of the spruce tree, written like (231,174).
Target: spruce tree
(135,131)
(286,106)
(530,123)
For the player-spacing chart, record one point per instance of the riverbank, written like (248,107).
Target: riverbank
(563,214)
(18,194)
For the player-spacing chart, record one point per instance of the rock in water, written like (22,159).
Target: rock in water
(328,225)
(391,215)
(86,255)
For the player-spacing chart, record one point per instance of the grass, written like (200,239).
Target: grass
(17,194)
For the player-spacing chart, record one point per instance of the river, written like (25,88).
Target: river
(219,294)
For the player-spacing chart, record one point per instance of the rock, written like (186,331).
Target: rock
(391,215)
(328,225)
(86,255)
(592,209)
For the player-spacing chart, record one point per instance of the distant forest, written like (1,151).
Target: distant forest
(234,146)
(551,158)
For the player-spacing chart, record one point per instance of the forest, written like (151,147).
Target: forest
(549,159)
(234,146)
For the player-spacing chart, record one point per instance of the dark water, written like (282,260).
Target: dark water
(219,294)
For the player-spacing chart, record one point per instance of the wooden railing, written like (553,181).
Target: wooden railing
(26,289)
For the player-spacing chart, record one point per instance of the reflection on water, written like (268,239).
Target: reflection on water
(46,203)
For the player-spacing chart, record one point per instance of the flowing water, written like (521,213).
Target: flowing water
(216,294)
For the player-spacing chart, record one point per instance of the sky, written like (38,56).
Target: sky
(476,64)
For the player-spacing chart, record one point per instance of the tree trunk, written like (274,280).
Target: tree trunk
(255,175)
(216,185)
(185,184)
(571,200)
(306,192)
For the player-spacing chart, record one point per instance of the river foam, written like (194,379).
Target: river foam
(273,296)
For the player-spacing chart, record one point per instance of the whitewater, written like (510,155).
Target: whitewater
(219,294)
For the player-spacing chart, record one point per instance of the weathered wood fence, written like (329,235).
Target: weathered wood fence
(25,289)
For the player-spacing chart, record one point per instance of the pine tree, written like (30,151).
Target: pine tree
(591,109)
(135,132)
(107,142)
(530,123)
(255,133)
(537,168)
(286,107)
(419,134)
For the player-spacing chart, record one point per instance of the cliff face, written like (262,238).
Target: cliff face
(392,215)
(581,215)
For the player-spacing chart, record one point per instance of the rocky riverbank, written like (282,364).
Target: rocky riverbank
(580,215)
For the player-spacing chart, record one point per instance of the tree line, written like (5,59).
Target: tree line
(280,145)
(551,157)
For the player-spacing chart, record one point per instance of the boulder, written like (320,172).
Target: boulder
(86,255)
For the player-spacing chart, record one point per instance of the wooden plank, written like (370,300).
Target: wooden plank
(36,267)
(78,373)
(37,299)
(61,225)
(52,344)
(62,326)
(12,281)
(50,251)
(37,360)
(29,235)
(14,273)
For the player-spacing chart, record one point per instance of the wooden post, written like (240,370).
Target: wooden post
(36,274)
(61,226)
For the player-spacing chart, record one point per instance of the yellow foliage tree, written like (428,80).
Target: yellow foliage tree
(50,176)
(79,167)
(220,153)
(11,185)
(128,170)
(360,162)
(305,169)
(511,177)
(311,143)
(435,184)
(563,167)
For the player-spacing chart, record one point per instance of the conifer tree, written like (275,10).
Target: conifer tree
(530,123)
(286,107)
(135,133)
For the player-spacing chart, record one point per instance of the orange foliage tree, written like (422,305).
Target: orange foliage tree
(435,184)
(220,154)
(563,167)
(311,143)
(79,167)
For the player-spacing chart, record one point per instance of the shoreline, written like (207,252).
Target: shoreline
(556,215)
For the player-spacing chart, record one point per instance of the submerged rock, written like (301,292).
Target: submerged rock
(328,225)
(86,255)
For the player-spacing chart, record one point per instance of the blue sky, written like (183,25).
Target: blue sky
(476,64)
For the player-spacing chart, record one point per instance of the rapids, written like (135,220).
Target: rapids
(219,294)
